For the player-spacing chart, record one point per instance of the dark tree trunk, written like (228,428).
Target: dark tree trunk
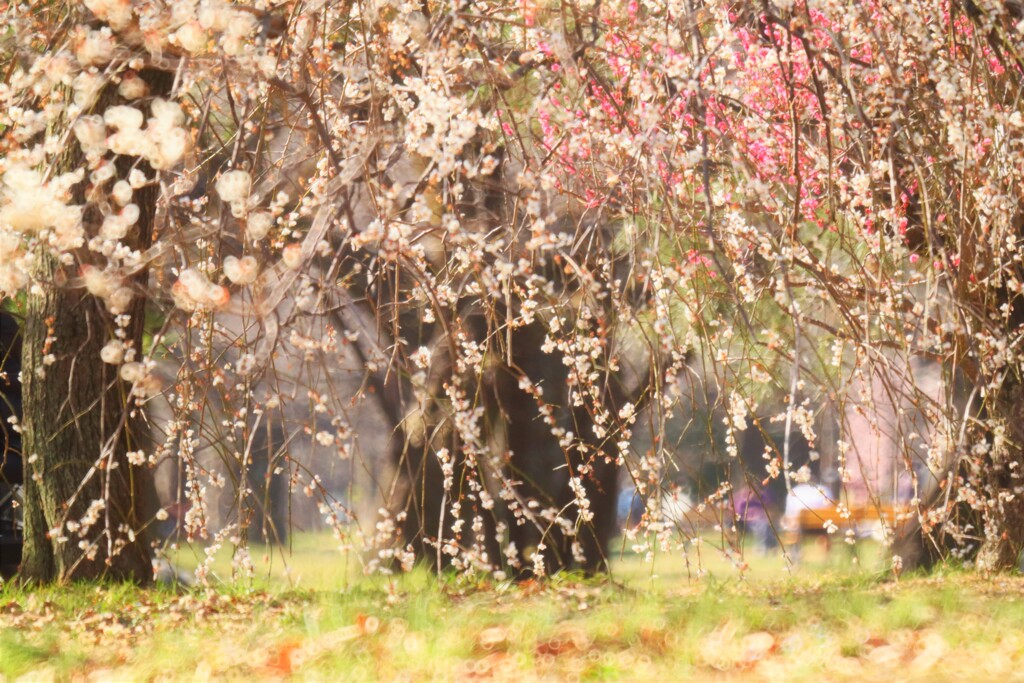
(602,489)
(540,462)
(1003,475)
(266,514)
(916,549)
(536,459)
(74,408)
(80,421)
(993,535)
(423,492)
(515,421)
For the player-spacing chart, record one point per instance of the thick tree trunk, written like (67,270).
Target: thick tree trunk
(1001,550)
(427,506)
(80,421)
(266,511)
(77,431)
(540,462)
(412,448)
(602,490)
(917,549)
(1003,474)
(536,459)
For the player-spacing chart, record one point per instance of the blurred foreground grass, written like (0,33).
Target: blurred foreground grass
(319,621)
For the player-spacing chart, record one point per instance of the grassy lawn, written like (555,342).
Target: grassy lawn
(827,621)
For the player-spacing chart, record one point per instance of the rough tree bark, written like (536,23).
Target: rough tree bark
(1004,522)
(536,457)
(266,518)
(540,462)
(992,537)
(79,421)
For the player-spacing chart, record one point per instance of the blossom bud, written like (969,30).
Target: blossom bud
(91,133)
(95,48)
(136,179)
(59,68)
(102,174)
(166,114)
(193,289)
(291,256)
(130,214)
(122,193)
(217,296)
(195,284)
(98,282)
(114,227)
(87,86)
(179,292)
(117,13)
(120,299)
(170,147)
(192,38)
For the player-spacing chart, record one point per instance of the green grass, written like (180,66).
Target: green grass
(314,560)
(828,621)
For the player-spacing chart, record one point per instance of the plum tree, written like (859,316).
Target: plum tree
(525,228)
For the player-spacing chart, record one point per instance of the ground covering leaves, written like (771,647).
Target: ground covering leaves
(945,627)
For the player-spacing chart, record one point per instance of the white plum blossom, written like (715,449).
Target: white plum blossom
(123,118)
(112,352)
(258,224)
(133,372)
(132,87)
(233,186)
(241,271)
(193,289)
